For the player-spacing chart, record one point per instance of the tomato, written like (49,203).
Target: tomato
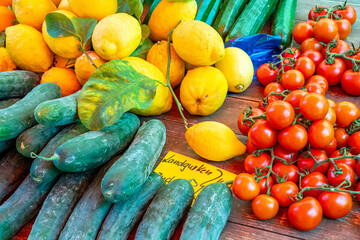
(317,11)
(332,72)
(350,82)
(292,53)
(354,143)
(273,87)
(314,179)
(344,28)
(302,31)
(335,204)
(294,98)
(306,66)
(283,192)
(270,99)
(349,161)
(314,106)
(312,23)
(331,116)
(293,138)
(306,162)
(250,148)
(262,184)
(251,162)
(340,48)
(288,64)
(329,149)
(288,156)
(314,55)
(306,214)
(311,44)
(320,80)
(280,114)
(346,113)
(262,134)
(342,137)
(347,173)
(358,190)
(321,133)
(293,80)
(349,63)
(265,74)
(245,187)
(288,172)
(348,13)
(264,207)
(357,169)
(244,127)
(315,88)
(325,30)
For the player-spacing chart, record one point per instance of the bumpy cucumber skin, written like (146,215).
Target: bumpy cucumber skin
(34,139)
(209,214)
(123,216)
(17,83)
(58,112)
(13,169)
(45,171)
(8,102)
(130,172)
(94,148)
(142,50)
(58,205)
(20,116)
(204,10)
(148,14)
(214,12)
(22,206)
(166,211)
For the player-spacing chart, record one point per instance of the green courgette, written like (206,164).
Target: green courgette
(214,12)
(8,102)
(142,50)
(204,10)
(148,14)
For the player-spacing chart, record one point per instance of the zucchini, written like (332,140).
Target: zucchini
(209,214)
(252,19)
(284,20)
(13,169)
(204,10)
(123,216)
(8,102)
(166,211)
(17,83)
(20,116)
(226,18)
(58,112)
(58,205)
(131,170)
(148,14)
(5,145)
(214,12)
(142,50)
(22,206)
(34,139)
(45,171)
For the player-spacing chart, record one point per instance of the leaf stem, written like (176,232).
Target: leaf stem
(87,55)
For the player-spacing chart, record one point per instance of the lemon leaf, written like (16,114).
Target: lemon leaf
(59,25)
(121,3)
(180,0)
(125,8)
(113,89)
(136,7)
(3,38)
(142,50)
(84,27)
(145,31)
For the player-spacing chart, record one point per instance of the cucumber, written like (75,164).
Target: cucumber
(8,102)
(166,211)
(284,20)
(20,116)
(123,216)
(94,148)
(22,206)
(45,171)
(252,19)
(5,145)
(226,18)
(214,12)
(142,50)
(34,139)
(13,169)
(131,170)
(17,83)
(58,112)
(209,214)
(204,10)
(58,205)
(148,14)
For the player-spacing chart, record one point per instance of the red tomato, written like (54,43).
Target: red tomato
(264,207)
(354,143)
(250,148)
(314,179)
(245,187)
(331,103)
(346,113)
(314,106)
(312,23)
(349,161)
(315,88)
(349,63)
(306,162)
(316,12)
(262,184)
(332,72)
(321,133)
(280,114)
(288,64)
(293,138)
(314,55)
(273,87)
(293,80)
(311,44)
(244,127)
(325,30)
(288,172)
(329,149)
(350,82)
(335,204)
(262,134)
(357,168)
(306,214)
(270,99)
(292,53)
(306,66)
(342,137)
(320,80)
(344,28)
(331,116)
(283,192)
(358,190)
(265,74)
(347,173)
(340,48)
(348,13)
(288,156)
(302,31)
(251,162)
(294,98)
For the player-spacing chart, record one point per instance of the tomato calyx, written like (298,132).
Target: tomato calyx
(330,57)
(354,127)
(250,120)
(282,96)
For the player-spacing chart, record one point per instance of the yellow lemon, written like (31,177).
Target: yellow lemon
(163,99)
(32,12)
(198,43)
(64,77)
(203,90)
(158,55)
(6,63)
(116,36)
(214,141)
(83,67)
(64,5)
(93,8)
(27,48)
(167,14)
(237,68)
(63,62)
(189,66)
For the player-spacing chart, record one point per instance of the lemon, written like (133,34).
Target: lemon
(214,141)
(93,8)
(158,55)
(237,68)
(6,63)
(27,48)
(163,99)
(32,12)
(116,36)
(63,62)
(64,5)
(189,66)
(203,90)
(167,14)
(83,67)
(198,43)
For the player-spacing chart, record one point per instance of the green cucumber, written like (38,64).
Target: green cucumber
(5,145)
(204,10)
(148,14)
(13,169)
(58,112)
(58,205)
(20,116)
(8,102)
(252,19)
(284,20)
(34,139)
(142,50)
(22,206)
(17,83)
(131,170)
(209,214)
(226,18)
(214,12)
(45,171)
(123,216)
(166,211)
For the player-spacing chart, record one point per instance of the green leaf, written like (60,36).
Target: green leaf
(58,25)
(142,50)
(136,7)
(113,89)
(84,28)
(125,9)
(180,0)
(145,31)
(121,3)
(2,39)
